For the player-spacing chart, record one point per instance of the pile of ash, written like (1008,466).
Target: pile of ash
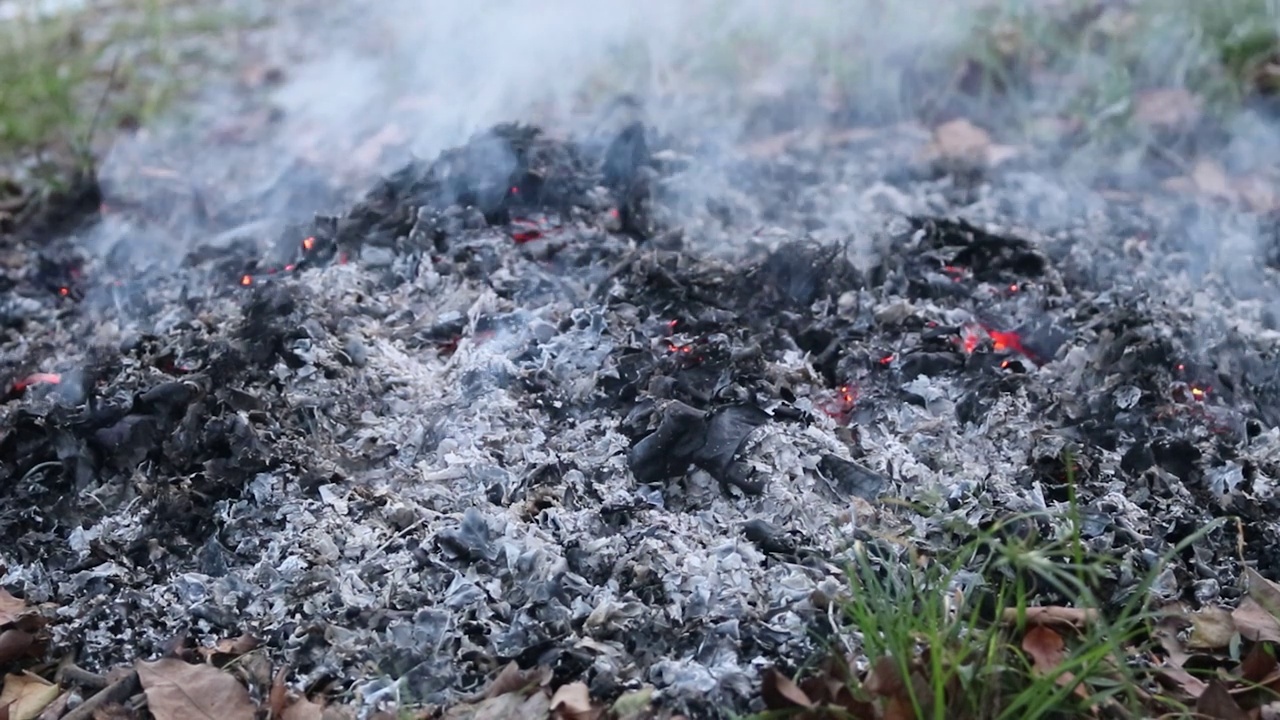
(529,402)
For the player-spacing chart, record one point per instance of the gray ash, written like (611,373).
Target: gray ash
(517,404)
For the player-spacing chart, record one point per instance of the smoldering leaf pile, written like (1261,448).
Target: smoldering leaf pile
(522,402)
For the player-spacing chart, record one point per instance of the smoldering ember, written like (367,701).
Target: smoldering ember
(541,399)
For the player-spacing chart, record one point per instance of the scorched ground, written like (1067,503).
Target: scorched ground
(609,408)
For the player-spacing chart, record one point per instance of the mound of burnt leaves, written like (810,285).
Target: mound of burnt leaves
(512,407)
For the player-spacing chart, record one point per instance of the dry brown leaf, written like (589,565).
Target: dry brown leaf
(1264,591)
(572,702)
(12,608)
(228,649)
(1257,665)
(1052,616)
(885,678)
(1045,647)
(15,644)
(961,140)
(25,695)
(303,709)
(513,679)
(1254,623)
(1217,703)
(780,693)
(1211,629)
(1257,193)
(58,707)
(1167,109)
(177,690)
(1211,180)
(278,696)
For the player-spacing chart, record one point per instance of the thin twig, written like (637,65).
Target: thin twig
(41,466)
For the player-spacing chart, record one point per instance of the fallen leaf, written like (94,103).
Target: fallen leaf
(513,679)
(11,608)
(885,678)
(303,709)
(1254,623)
(177,690)
(634,704)
(1211,629)
(572,702)
(15,644)
(278,695)
(1167,109)
(1264,591)
(1258,194)
(25,695)
(1211,179)
(1258,664)
(58,707)
(961,140)
(780,693)
(1217,703)
(1045,647)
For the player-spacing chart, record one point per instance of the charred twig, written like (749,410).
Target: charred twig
(116,692)
(72,673)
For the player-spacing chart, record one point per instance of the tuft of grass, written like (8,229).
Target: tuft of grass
(952,629)
(96,66)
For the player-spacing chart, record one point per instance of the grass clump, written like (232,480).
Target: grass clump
(1006,626)
(104,65)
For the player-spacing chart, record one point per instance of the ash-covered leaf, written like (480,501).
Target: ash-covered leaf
(25,695)
(177,690)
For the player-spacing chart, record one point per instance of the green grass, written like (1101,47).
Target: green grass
(954,624)
(103,67)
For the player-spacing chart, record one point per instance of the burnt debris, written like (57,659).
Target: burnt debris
(515,405)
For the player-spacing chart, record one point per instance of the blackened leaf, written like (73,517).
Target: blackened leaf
(669,450)
(851,478)
(626,154)
(727,431)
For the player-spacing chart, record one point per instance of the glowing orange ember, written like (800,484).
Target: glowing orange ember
(64,291)
(1198,392)
(308,243)
(246,280)
(36,379)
